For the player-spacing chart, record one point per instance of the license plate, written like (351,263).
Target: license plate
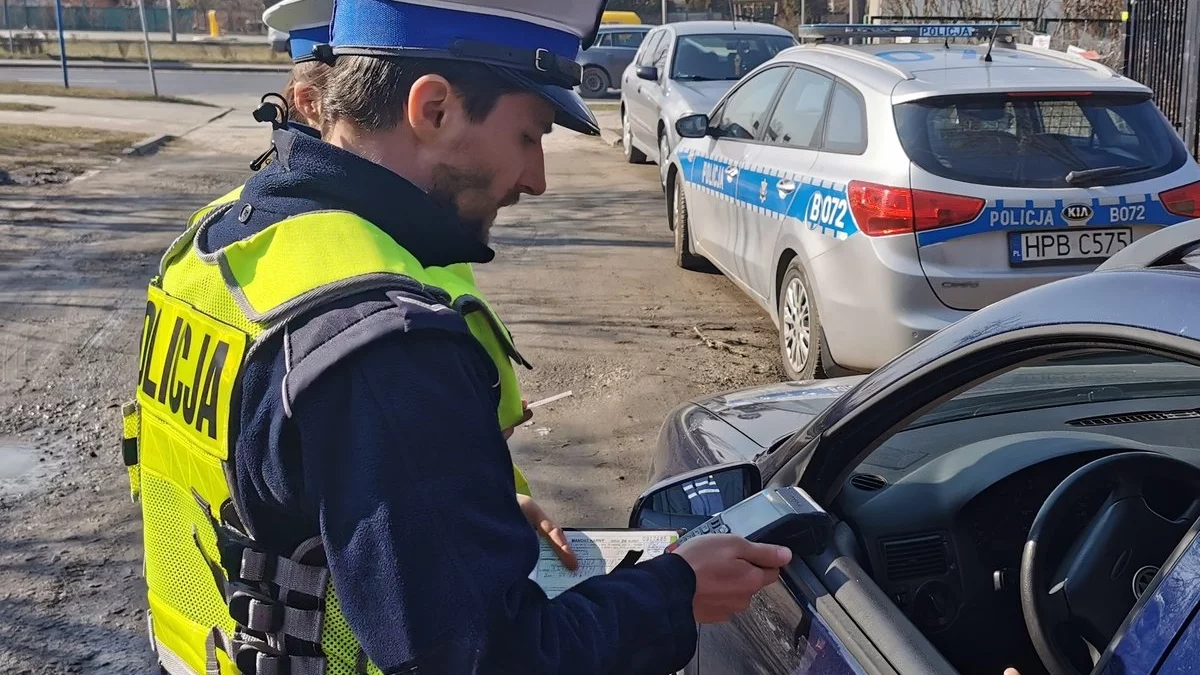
(1025,248)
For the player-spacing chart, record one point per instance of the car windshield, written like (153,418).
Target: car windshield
(1039,140)
(724,57)
(1068,380)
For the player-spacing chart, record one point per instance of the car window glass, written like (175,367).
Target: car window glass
(627,39)
(1036,140)
(846,128)
(796,121)
(604,40)
(1065,118)
(648,47)
(745,109)
(701,58)
(660,51)
(1069,380)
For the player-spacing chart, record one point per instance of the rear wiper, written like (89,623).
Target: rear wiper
(1082,176)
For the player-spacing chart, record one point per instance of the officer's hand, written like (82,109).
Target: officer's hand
(541,522)
(528,416)
(729,571)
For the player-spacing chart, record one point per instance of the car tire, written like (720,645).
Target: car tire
(684,257)
(594,83)
(632,154)
(801,340)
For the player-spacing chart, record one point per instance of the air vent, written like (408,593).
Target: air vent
(868,482)
(925,556)
(1135,418)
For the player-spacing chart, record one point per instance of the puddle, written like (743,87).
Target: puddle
(19,468)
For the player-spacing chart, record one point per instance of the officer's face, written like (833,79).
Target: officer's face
(491,163)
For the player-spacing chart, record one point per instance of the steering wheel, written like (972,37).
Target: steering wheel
(1109,566)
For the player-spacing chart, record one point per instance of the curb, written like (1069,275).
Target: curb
(214,118)
(148,146)
(158,65)
(611,137)
(151,144)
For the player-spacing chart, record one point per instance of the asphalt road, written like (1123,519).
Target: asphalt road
(224,88)
(584,276)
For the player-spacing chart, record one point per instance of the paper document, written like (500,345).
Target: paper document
(598,552)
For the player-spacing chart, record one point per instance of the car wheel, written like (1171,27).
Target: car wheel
(683,236)
(800,343)
(664,160)
(632,154)
(594,83)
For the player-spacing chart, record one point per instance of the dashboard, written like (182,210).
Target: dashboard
(941,513)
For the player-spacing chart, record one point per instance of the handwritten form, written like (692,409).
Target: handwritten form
(598,552)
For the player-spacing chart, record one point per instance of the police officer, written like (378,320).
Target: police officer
(318,439)
(307,24)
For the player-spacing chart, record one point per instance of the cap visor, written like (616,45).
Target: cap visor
(572,112)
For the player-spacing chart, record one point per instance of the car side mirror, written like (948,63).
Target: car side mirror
(648,73)
(687,500)
(692,126)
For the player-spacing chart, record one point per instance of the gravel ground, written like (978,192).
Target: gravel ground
(584,276)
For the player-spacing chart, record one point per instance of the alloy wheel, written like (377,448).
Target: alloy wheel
(797,317)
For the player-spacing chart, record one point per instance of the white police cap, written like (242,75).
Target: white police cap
(305,21)
(532,43)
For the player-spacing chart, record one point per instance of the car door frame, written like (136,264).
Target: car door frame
(635,104)
(715,254)
(644,125)
(747,216)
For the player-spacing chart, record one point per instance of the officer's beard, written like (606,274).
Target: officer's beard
(466,193)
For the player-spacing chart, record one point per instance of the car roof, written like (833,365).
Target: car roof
(706,27)
(911,71)
(624,26)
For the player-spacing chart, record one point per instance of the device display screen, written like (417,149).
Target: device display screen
(751,515)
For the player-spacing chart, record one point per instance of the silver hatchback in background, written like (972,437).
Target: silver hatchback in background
(684,68)
(869,195)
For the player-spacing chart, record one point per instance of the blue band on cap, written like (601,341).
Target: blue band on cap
(302,41)
(388,25)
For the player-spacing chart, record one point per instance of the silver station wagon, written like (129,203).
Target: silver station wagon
(867,195)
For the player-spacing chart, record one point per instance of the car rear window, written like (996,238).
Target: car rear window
(1040,140)
(700,58)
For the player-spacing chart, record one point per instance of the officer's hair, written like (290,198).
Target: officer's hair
(313,73)
(372,91)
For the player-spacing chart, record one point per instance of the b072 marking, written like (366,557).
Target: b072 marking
(827,210)
(1127,214)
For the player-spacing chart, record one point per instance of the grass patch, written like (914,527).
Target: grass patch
(46,89)
(32,154)
(22,107)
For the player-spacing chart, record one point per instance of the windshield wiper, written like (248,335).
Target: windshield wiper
(692,78)
(1083,176)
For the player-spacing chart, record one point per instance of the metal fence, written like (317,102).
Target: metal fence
(1161,53)
(41,17)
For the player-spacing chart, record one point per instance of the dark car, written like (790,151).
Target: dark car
(1020,489)
(607,58)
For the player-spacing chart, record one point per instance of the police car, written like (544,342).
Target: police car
(867,195)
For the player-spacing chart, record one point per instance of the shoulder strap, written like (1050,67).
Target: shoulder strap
(314,345)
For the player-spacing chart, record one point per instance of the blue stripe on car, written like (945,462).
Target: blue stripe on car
(822,204)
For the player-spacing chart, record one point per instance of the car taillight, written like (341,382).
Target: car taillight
(880,210)
(1183,200)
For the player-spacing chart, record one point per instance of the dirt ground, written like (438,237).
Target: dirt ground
(584,276)
(32,154)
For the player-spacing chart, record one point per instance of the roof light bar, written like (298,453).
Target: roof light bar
(939,31)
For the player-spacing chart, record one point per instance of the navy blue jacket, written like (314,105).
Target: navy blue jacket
(396,460)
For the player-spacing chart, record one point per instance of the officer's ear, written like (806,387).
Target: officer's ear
(430,107)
